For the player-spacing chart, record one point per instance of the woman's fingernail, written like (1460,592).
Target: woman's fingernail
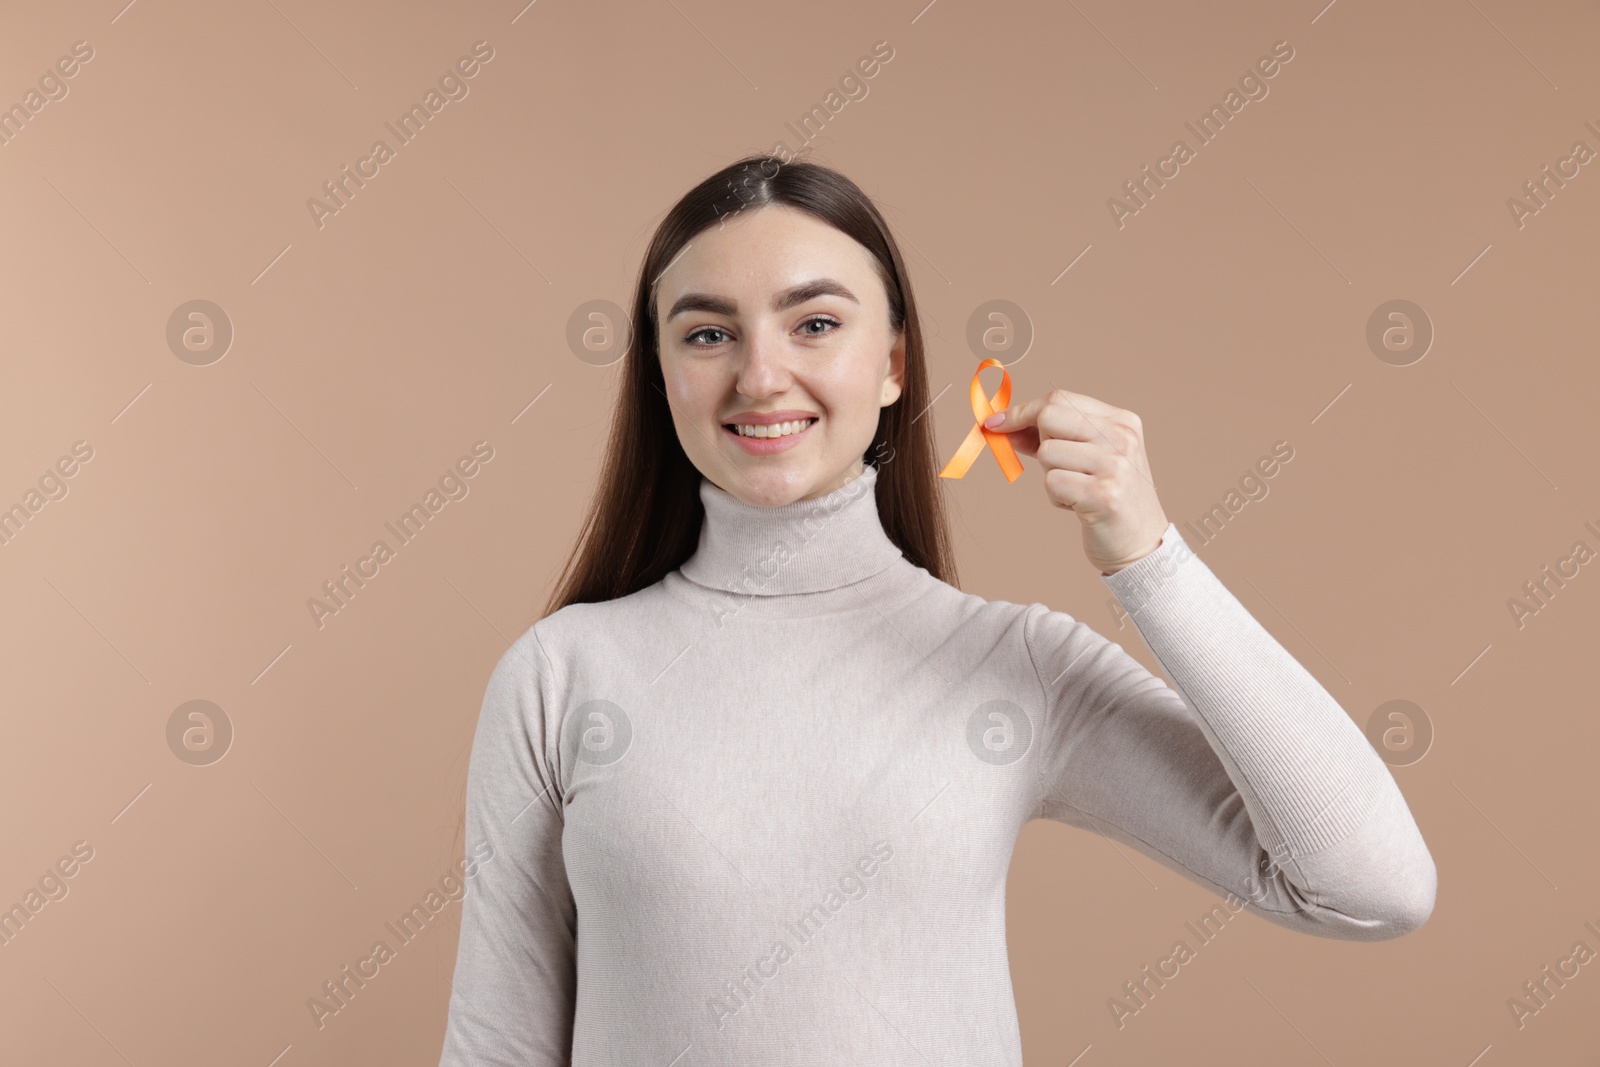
(995,420)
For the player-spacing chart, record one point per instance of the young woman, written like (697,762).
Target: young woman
(751,786)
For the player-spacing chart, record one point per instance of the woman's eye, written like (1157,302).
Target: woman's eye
(700,339)
(701,332)
(822,320)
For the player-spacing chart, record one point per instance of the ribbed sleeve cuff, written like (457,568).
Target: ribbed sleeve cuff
(1136,583)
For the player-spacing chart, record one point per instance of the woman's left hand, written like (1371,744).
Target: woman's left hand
(1096,468)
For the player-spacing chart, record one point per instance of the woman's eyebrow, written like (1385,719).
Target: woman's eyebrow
(799,294)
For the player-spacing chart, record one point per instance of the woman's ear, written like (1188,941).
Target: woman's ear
(895,381)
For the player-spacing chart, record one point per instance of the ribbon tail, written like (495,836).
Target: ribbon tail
(962,461)
(1004,454)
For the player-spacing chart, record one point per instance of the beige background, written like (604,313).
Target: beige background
(428,314)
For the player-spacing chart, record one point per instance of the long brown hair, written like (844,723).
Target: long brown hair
(644,520)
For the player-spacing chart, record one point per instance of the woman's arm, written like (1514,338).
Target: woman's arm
(515,984)
(1253,781)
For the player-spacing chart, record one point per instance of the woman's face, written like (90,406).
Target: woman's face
(776,313)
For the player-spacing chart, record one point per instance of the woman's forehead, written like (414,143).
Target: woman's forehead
(752,265)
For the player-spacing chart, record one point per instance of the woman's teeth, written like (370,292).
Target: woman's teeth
(781,429)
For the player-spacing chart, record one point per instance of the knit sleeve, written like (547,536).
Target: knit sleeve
(515,984)
(1246,776)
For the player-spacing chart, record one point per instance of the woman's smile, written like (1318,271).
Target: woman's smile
(765,439)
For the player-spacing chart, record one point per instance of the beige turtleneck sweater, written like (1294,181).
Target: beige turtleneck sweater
(762,811)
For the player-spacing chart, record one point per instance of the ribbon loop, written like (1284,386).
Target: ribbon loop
(980,434)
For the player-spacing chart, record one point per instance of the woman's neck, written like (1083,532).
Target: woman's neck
(810,545)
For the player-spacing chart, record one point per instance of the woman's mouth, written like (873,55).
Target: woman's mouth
(765,440)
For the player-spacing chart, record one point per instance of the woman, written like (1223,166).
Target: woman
(753,782)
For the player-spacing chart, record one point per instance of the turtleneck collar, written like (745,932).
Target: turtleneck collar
(805,547)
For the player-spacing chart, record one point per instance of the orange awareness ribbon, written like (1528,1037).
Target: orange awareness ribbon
(998,442)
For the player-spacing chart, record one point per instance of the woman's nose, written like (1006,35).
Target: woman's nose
(763,364)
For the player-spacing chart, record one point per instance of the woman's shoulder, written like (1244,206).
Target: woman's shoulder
(591,627)
(956,608)
(599,631)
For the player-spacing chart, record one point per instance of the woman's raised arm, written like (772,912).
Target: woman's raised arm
(1249,779)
